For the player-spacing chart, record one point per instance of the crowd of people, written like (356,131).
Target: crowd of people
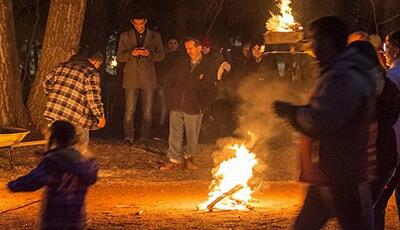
(351,133)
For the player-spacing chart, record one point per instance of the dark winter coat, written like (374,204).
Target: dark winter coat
(163,67)
(264,71)
(140,72)
(339,116)
(66,176)
(191,92)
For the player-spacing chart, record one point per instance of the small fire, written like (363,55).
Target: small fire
(283,22)
(230,189)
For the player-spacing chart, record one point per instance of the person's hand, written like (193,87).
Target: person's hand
(145,52)
(136,52)
(225,66)
(282,109)
(102,122)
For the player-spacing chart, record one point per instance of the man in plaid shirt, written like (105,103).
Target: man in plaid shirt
(73,91)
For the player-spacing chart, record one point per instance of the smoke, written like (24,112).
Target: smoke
(258,127)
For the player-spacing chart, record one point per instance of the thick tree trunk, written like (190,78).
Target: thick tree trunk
(95,28)
(12,109)
(61,40)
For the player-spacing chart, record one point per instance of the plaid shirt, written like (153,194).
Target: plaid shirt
(67,177)
(73,91)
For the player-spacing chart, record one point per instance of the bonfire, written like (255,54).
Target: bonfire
(230,189)
(282,28)
(283,22)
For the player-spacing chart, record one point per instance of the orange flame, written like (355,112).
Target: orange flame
(231,173)
(283,22)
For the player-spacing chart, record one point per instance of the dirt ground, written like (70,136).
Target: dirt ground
(132,193)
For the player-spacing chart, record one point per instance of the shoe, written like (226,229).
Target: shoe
(171,166)
(189,164)
(128,141)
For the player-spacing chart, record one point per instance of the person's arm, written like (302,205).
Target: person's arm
(34,180)
(124,54)
(334,104)
(208,88)
(158,54)
(93,95)
(331,109)
(49,81)
(88,173)
(168,81)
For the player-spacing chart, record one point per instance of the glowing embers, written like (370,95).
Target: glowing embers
(230,188)
(283,22)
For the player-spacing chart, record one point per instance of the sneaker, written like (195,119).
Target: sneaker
(171,166)
(189,164)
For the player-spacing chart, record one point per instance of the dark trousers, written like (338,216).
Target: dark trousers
(350,203)
(131,96)
(381,194)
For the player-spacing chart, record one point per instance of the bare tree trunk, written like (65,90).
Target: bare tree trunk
(12,109)
(95,27)
(61,40)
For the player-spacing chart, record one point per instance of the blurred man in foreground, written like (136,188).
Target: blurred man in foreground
(336,123)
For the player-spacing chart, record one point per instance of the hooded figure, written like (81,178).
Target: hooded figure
(66,176)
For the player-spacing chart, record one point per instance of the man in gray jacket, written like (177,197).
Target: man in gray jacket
(139,48)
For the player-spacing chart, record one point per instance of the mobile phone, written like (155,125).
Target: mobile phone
(262,48)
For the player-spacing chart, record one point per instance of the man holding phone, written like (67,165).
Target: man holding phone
(139,48)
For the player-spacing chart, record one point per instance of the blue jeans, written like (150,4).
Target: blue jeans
(131,96)
(351,204)
(180,123)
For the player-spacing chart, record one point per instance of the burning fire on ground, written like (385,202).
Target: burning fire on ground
(230,189)
(283,22)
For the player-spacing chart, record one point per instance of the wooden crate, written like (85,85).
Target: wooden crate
(283,37)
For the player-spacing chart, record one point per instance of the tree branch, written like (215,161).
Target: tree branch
(215,16)
(389,20)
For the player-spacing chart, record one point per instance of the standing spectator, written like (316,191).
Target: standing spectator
(261,67)
(172,53)
(224,66)
(244,55)
(215,121)
(393,58)
(66,175)
(337,120)
(139,48)
(190,89)
(74,95)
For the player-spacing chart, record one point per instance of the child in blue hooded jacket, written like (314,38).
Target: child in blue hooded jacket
(66,176)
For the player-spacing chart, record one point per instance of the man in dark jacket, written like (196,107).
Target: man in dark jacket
(337,119)
(172,54)
(139,48)
(190,89)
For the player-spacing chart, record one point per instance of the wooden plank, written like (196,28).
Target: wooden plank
(283,37)
(29,143)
